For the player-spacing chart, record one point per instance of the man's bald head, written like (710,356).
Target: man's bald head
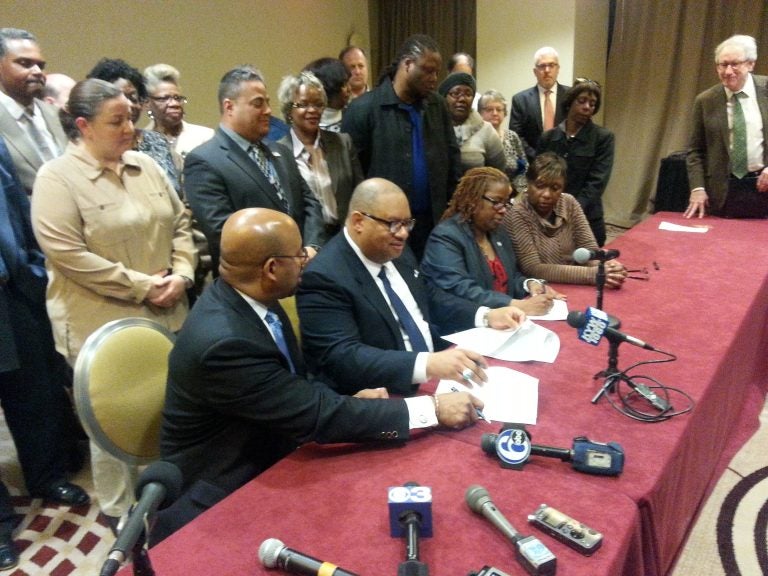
(369,194)
(375,205)
(250,237)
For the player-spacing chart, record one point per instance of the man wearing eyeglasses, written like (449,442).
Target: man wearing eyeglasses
(539,108)
(238,168)
(728,152)
(238,397)
(366,313)
(30,126)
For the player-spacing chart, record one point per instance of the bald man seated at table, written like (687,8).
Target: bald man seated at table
(238,399)
(366,313)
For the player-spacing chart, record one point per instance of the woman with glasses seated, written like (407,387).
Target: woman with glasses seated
(166,110)
(327,160)
(478,141)
(131,82)
(468,256)
(587,148)
(547,225)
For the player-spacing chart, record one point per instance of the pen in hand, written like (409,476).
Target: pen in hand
(477,410)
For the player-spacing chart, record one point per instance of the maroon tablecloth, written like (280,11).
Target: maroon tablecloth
(707,303)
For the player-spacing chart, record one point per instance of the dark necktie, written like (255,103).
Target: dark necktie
(277,331)
(268,169)
(739,145)
(418,344)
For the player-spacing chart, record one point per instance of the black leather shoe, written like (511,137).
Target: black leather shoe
(9,557)
(65,493)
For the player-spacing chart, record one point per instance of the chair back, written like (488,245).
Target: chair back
(119,387)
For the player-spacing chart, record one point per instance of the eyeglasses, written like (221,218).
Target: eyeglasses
(308,105)
(733,65)
(394,225)
(303,257)
(545,65)
(498,204)
(459,94)
(169,97)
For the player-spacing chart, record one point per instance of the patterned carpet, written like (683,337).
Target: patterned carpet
(53,540)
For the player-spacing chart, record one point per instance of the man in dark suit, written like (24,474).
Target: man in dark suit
(539,108)
(355,331)
(237,398)
(30,126)
(36,407)
(728,167)
(402,132)
(238,168)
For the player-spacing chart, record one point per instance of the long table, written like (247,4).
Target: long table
(706,300)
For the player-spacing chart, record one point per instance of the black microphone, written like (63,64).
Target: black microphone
(596,330)
(158,487)
(584,255)
(530,551)
(274,554)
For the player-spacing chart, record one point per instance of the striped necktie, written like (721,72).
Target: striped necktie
(267,168)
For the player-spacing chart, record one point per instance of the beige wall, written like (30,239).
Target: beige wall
(203,39)
(509,32)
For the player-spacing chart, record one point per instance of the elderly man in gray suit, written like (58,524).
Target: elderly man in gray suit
(30,126)
(728,153)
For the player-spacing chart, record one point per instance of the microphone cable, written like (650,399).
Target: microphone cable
(637,388)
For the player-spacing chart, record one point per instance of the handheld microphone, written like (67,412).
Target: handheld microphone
(274,554)
(531,553)
(584,255)
(410,515)
(593,325)
(585,455)
(158,487)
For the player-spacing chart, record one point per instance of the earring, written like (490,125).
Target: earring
(150,114)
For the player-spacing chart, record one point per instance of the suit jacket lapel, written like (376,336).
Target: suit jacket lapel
(18,139)
(245,311)
(248,166)
(761,87)
(369,288)
(333,159)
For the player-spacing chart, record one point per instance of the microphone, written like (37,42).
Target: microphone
(274,554)
(158,487)
(584,255)
(593,325)
(531,553)
(410,515)
(585,455)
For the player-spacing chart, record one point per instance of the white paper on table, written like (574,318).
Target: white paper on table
(559,311)
(528,342)
(700,229)
(509,395)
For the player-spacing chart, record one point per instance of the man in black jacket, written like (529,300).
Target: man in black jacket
(403,132)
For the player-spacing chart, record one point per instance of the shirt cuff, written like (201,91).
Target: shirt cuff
(420,368)
(421,412)
(480,321)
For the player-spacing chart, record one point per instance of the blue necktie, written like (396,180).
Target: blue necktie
(418,344)
(277,331)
